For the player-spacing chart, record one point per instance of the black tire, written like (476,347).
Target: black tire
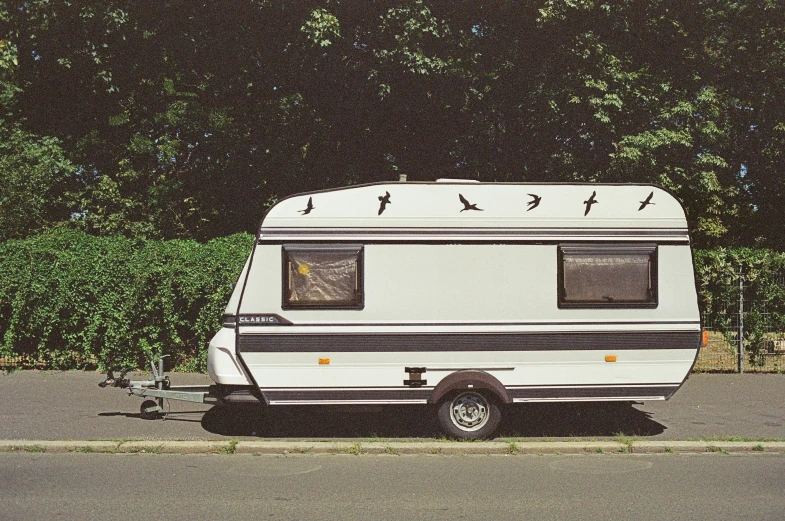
(152,415)
(469,415)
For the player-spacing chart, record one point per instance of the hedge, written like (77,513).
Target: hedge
(71,300)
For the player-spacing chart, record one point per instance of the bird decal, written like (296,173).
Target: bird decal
(307,208)
(385,200)
(590,202)
(646,202)
(535,202)
(467,205)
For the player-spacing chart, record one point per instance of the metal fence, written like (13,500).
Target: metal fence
(746,336)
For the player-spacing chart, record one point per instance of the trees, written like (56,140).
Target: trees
(189,119)
(34,171)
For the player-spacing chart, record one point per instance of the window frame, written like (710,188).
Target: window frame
(609,249)
(357,249)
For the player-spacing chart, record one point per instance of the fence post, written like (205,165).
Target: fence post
(741,321)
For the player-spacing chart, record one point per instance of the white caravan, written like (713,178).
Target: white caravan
(463,295)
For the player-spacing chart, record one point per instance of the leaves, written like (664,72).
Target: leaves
(34,180)
(321,28)
(762,274)
(185,120)
(70,299)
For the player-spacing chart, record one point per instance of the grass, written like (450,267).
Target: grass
(512,447)
(27,448)
(758,448)
(231,448)
(391,450)
(626,441)
(355,449)
(97,450)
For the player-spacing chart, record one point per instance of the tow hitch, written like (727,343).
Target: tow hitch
(159,389)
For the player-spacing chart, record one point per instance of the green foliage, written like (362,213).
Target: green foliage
(67,298)
(763,274)
(193,119)
(320,27)
(34,178)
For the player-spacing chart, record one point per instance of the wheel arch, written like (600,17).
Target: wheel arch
(469,379)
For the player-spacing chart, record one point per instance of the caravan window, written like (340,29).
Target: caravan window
(322,276)
(608,275)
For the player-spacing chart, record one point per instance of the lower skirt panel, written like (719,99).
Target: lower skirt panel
(294,396)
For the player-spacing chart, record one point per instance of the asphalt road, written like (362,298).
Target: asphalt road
(89,487)
(69,405)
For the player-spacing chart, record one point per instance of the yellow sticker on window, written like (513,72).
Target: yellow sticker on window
(304,269)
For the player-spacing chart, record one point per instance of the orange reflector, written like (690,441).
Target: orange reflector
(704,338)
(610,358)
(324,361)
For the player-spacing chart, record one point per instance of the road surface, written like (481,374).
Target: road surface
(598,487)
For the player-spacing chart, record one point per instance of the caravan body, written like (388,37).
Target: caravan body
(422,292)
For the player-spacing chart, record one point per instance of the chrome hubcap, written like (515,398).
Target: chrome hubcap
(469,411)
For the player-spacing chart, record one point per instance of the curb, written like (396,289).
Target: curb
(391,447)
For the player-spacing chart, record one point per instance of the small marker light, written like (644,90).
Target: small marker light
(704,338)
(324,361)
(610,358)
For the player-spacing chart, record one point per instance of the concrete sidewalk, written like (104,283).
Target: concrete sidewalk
(394,447)
(747,411)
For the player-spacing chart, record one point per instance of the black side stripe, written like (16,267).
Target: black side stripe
(590,392)
(357,395)
(348,343)
(533,394)
(248,320)
(370,231)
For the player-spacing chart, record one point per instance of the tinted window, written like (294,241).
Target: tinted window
(607,275)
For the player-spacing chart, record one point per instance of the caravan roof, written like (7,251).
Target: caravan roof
(642,212)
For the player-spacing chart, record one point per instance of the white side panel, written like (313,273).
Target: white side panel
(222,364)
(373,370)
(419,283)
(465,288)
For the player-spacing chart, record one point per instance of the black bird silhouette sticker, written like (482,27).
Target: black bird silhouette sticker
(646,202)
(590,202)
(467,205)
(385,199)
(307,208)
(535,202)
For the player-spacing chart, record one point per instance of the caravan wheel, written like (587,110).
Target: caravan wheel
(469,415)
(150,410)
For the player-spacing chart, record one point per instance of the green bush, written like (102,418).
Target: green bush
(763,278)
(68,299)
